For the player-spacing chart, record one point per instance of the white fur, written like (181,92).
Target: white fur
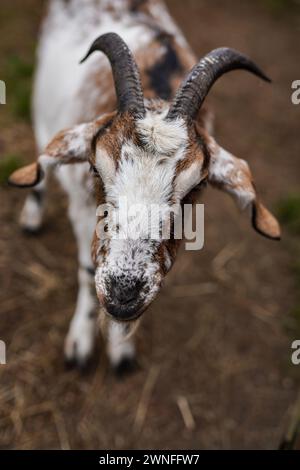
(160,136)
(119,347)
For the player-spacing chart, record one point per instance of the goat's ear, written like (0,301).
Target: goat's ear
(69,146)
(264,222)
(233,175)
(27,176)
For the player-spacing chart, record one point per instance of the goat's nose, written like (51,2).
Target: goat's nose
(126,294)
(125,301)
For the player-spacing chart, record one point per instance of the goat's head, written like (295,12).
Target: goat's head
(153,154)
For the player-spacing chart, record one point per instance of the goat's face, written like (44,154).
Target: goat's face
(152,156)
(145,167)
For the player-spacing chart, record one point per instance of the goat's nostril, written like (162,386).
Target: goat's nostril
(125,294)
(125,297)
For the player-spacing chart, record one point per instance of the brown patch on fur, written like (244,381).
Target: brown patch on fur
(99,190)
(58,145)
(97,251)
(94,248)
(197,150)
(172,245)
(103,125)
(122,129)
(203,139)
(160,258)
(98,78)
(167,248)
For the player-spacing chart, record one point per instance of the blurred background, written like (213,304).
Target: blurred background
(215,347)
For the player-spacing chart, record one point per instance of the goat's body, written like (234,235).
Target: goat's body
(66,94)
(158,150)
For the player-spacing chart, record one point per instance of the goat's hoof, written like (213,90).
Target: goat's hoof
(84,366)
(126,366)
(78,356)
(70,363)
(31,231)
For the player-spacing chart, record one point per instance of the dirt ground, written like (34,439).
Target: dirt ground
(215,339)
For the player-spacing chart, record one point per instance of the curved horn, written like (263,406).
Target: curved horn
(125,72)
(194,89)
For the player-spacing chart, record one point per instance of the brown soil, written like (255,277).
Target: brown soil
(215,337)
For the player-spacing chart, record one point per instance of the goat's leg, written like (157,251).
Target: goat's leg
(31,217)
(120,348)
(79,344)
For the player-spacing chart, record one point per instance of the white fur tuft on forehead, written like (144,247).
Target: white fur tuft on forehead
(161,136)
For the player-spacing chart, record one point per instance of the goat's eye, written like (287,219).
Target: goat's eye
(94,170)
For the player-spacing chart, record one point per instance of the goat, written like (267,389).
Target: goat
(141,133)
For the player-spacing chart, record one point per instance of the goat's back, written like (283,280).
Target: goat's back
(66,93)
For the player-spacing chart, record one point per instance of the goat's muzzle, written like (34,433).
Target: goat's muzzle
(124,302)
